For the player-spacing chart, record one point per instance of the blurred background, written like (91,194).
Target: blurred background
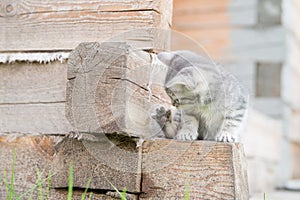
(258,41)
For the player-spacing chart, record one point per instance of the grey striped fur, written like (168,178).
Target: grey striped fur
(209,102)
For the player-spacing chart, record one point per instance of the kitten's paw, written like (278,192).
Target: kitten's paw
(225,137)
(186,135)
(161,115)
(159,112)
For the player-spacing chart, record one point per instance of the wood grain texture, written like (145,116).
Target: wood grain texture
(23,82)
(32,98)
(47,25)
(33,119)
(241,189)
(210,170)
(159,169)
(103,161)
(108,89)
(31,154)
(40,153)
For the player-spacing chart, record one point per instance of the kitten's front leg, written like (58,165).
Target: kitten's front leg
(189,128)
(233,126)
(168,120)
(173,123)
(229,132)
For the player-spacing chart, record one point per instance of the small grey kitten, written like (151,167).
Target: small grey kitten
(210,103)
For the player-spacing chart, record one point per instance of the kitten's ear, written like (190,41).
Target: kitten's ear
(165,57)
(184,77)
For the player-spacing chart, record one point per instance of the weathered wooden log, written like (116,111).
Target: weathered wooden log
(32,98)
(113,88)
(200,169)
(159,169)
(104,162)
(34,25)
(35,154)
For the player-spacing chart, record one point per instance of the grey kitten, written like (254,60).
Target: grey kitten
(209,102)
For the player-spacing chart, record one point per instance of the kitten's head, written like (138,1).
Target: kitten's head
(184,79)
(179,69)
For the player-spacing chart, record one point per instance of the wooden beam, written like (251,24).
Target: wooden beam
(23,82)
(34,25)
(159,169)
(105,162)
(33,119)
(32,98)
(117,85)
(40,153)
(204,170)
(32,154)
(111,88)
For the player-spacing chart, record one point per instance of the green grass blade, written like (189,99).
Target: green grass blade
(119,193)
(5,181)
(31,190)
(187,191)
(12,181)
(70,188)
(265,196)
(86,188)
(14,194)
(123,195)
(48,185)
(187,187)
(90,196)
(39,184)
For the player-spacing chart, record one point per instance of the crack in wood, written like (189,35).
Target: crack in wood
(32,103)
(96,191)
(136,84)
(71,78)
(37,51)
(92,11)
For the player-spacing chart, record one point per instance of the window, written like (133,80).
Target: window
(268,79)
